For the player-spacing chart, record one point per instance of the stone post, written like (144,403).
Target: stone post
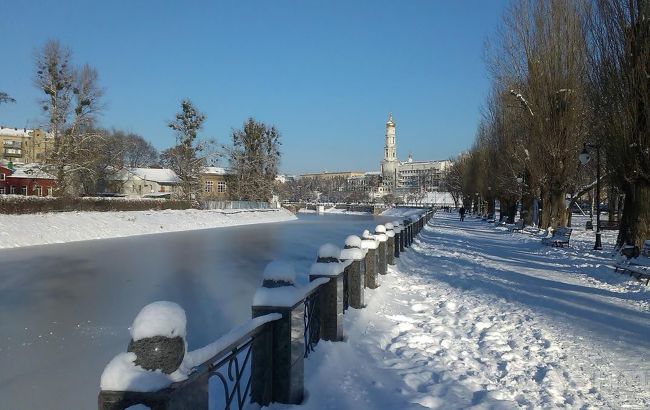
(382,259)
(370,261)
(356,271)
(390,244)
(277,366)
(331,296)
(407,233)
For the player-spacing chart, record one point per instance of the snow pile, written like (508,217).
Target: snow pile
(160,318)
(329,269)
(397,226)
(380,233)
(61,227)
(279,271)
(389,230)
(353,254)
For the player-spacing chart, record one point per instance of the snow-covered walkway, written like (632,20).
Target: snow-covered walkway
(475,316)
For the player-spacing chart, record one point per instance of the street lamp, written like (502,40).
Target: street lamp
(584,157)
(491,202)
(477,203)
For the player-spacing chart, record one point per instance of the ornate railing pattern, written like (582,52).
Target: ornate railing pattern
(312,321)
(232,381)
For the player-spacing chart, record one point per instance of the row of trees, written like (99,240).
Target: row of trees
(84,157)
(566,75)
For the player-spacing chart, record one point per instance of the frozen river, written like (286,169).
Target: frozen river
(65,309)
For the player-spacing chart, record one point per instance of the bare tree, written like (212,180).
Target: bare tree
(72,102)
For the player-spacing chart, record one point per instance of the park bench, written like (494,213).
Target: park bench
(559,238)
(518,227)
(635,262)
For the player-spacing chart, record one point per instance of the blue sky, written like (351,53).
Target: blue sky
(326,73)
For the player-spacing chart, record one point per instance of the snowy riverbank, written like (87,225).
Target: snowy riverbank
(47,228)
(473,315)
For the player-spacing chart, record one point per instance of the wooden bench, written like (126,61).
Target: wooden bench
(635,262)
(560,237)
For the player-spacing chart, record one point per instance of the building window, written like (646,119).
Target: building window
(221,187)
(208,186)
(2,190)
(39,190)
(12,190)
(2,176)
(50,191)
(23,190)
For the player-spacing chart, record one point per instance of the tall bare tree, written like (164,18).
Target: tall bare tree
(620,80)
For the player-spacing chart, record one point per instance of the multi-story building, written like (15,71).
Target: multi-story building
(24,146)
(333,175)
(402,177)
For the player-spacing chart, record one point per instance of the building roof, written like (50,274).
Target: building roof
(18,132)
(159,175)
(31,171)
(217,171)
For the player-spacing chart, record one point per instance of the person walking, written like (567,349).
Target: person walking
(461,211)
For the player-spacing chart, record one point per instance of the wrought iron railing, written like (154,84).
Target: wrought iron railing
(312,320)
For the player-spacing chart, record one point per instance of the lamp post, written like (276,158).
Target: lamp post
(584,157)
(478,204)
(490,202)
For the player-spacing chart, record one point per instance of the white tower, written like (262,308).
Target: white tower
(390,162)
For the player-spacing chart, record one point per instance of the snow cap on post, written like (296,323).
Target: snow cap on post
(329,253)
(158,337)
(368,241)
(397,226)
(389,230)
(352,249)
(328,263)
(278,273)
(380,233)
(159,319)
(353,241)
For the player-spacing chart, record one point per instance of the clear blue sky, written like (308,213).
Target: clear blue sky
(326,73)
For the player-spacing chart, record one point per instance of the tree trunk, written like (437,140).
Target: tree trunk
(635,221)
(558,215)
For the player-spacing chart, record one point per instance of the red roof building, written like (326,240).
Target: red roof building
(27,180)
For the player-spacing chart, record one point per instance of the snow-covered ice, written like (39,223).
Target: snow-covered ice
(476,316)
(60,227)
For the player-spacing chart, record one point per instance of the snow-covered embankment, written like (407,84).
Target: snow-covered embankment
(47,228)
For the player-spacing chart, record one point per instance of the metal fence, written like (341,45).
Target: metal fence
(234,205)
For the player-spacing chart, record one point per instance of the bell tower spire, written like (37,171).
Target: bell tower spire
(390,153)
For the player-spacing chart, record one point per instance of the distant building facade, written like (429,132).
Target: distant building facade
(214,183)
(403,177)
(30,180)
(24,146)
(146,182)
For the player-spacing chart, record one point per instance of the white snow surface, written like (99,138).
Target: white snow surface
(160,318)
(60,227)
(369,244)
(279,270)
(380,229)
(473,316)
